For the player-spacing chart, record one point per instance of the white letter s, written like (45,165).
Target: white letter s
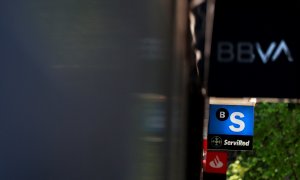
(237,121)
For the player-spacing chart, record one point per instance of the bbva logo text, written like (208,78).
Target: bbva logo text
(245,52)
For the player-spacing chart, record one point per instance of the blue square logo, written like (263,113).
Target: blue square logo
(231,120)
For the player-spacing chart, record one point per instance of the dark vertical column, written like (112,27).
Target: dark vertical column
(194,128)
(195,109)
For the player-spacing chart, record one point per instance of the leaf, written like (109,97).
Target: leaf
(276,144)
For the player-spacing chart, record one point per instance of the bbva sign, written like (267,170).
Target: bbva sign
(247,52)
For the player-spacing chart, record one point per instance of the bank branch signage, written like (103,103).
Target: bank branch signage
(254,50)
(230,127)
(216,162)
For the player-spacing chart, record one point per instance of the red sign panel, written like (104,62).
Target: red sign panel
(204,153)
(216,162)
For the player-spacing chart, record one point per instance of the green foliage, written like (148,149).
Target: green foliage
(276,146)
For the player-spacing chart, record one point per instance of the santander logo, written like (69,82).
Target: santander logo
(216,163)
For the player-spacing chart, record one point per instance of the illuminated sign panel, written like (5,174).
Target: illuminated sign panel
(254,50)
(216,162)
(230,127)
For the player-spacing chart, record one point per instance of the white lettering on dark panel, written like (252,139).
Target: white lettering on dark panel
(245,52)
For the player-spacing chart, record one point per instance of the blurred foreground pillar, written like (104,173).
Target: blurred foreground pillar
(93,89)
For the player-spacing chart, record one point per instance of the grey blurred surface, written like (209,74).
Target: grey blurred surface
(76,81)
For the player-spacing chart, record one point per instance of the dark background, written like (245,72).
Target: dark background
(254,21)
